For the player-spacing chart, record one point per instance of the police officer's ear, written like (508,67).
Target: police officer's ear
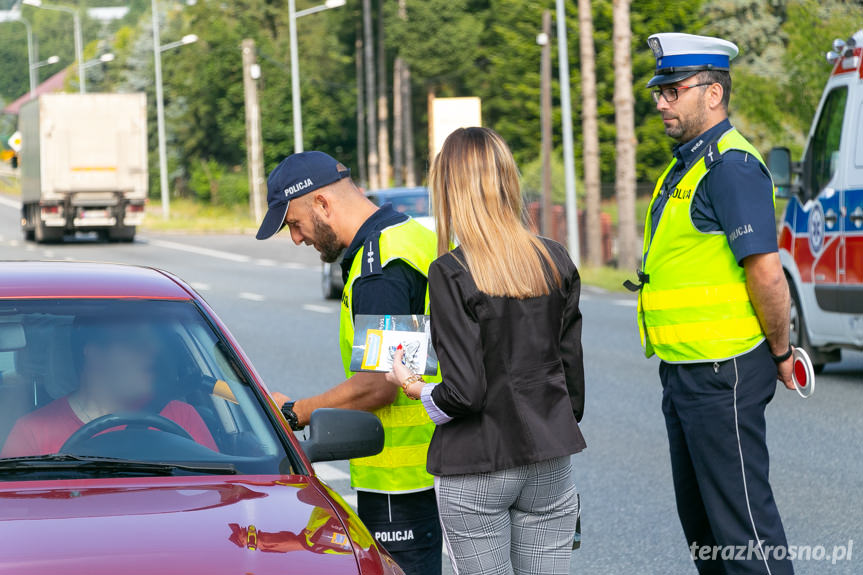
(714,95)
(322,203)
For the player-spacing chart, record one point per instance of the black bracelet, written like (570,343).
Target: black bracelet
(780,358)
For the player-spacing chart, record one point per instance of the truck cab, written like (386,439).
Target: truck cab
(821,235)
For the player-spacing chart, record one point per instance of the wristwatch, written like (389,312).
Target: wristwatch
(291,416)
(780,358)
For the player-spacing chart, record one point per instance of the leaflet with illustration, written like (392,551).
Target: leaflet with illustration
(376,338)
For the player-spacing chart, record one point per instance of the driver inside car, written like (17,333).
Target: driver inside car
(117,364)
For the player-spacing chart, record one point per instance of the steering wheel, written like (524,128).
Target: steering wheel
(144,420)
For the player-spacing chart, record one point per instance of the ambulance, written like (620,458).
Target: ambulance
(821,235)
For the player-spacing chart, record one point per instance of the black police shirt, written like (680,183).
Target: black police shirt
(397,288)
(736,196)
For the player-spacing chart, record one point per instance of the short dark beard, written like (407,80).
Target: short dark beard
(326,241)
(690,127)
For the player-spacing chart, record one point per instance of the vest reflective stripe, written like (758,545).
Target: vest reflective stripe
(404,415)
(397,457)
(695,296)
(695,306)
(735,328)
(401,466)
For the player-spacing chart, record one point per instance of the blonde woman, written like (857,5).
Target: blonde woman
(507,331)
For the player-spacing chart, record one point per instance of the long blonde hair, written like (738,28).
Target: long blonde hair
(477,198)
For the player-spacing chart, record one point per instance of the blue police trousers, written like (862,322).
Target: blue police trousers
(714,414)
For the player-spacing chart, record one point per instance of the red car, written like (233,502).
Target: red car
(135,437)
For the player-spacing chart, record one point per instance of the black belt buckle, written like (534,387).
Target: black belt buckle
(643,278)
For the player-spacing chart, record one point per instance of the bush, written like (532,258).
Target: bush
(211,181)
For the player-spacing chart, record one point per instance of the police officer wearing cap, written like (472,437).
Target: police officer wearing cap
(713,305)
(385,266)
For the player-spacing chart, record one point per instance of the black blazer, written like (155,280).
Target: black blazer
(513,375)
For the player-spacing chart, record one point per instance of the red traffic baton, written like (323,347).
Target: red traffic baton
(802,373)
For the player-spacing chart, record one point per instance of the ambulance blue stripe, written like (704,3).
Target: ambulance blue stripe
(800,223)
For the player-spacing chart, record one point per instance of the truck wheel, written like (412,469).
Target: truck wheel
(122,234)
(798,337)
(45,235)
(26,223)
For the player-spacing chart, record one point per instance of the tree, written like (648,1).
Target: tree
(371,97)
(590,134)
(383,104)
(438,39)
(626,143)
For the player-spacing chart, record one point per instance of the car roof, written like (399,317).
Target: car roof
(32,279)
(395,192)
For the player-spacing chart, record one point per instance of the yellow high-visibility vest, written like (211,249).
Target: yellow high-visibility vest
(401,466)
(694,306)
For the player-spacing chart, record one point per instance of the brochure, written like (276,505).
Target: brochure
(376,338)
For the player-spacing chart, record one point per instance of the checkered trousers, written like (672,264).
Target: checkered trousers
(519,520)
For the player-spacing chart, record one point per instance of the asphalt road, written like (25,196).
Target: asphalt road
(268,294)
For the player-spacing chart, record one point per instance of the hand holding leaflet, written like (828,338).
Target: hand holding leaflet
(376,339)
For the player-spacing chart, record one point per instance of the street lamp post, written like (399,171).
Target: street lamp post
(79,42)
(160,105)
(103,59)
(43,63)
(160,114)
(295,64)
(566,121)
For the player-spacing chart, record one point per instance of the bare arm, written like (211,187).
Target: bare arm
(362,391)
(768,291)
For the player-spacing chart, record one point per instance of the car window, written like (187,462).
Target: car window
(131,379)
(824,149)
(416,205)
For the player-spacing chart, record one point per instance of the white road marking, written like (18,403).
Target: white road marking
(14,243)
(296,266)
(329,472)
(27,247)
(625,302)
(199,286)
(319,308)
(351,500)
(230,256)
(251,296)
(48,254)
(10,203)
(223,255)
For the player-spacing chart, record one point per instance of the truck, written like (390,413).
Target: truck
(821,233)
(83,165)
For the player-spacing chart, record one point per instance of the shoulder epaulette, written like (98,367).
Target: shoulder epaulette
(371,254)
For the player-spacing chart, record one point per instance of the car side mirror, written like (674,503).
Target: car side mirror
(336,434)
(779,164)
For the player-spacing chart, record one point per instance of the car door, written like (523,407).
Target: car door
(822,179)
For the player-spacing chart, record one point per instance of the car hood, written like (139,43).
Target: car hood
(182,525)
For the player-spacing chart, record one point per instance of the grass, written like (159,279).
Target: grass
(10,186)
(607,278)
(199,217)
(641,204)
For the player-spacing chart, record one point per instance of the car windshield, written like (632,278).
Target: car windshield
(125,384)
(416,205)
